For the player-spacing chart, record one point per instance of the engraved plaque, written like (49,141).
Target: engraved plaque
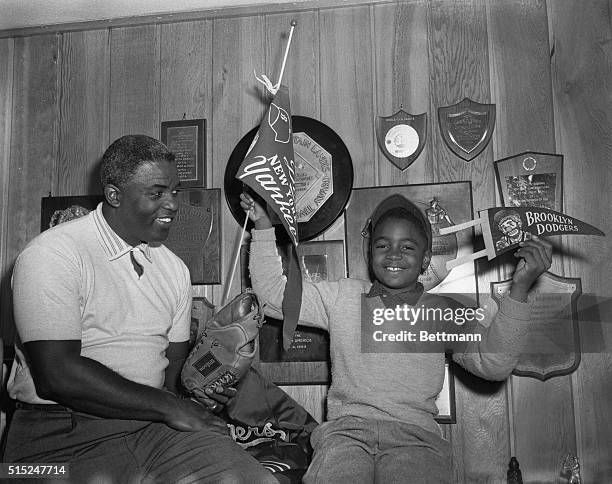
(531,179)
(552,344)
(186,139)
(196,236)
(466,127)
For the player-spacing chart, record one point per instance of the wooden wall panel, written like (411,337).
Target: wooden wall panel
(346,85)
(238,50)
(459,67)
(301,74)
(33,147)
(582,70)
(7,48)
(134,81)
(521,90)
(402,80)
(83,111)
(186,86)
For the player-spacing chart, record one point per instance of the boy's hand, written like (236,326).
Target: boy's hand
(535,258)
(257,213)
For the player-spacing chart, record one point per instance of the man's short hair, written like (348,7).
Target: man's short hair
(123,157)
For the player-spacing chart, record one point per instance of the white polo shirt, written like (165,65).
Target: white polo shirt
(76,281)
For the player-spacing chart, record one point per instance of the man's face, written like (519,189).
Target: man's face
(148,203)
(398,253)
(510,227)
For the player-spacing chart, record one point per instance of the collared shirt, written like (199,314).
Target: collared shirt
(392,299)
(76,282)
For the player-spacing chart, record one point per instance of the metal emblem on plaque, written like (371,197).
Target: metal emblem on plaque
(401,137)
(467,127)
(553,344)
(531,179)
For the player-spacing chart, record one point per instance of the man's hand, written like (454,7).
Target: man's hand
(189,415)
(535,258)
(256,212)
(215,399)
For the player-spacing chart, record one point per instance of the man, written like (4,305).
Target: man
(509,224)
(102,309)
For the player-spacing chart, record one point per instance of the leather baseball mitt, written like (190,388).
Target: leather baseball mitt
(227,346)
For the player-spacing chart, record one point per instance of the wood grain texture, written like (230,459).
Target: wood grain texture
(521,90)
(301,74)
(134,81)
(186,74)
(238,105)
(346,85)
(7,49)
(311,397)
(83,111)
(33,147)
(402,80)
(582,95)
(459,67)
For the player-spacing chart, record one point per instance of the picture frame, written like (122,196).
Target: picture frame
(307,360)
(187,140)
(55,210)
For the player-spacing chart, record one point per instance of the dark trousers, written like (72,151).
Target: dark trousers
(111,451)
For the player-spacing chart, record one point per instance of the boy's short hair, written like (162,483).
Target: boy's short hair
(123,157)
(398,206)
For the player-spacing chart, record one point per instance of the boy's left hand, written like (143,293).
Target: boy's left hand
(535,258)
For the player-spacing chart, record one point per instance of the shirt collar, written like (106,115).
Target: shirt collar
(392,299)
(113,245)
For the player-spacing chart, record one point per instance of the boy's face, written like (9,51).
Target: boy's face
(398,253)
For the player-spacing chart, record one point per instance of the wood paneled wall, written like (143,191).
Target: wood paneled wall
(546,65)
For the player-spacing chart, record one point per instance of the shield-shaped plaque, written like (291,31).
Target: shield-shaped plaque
(467,127)
(552,345)
(401,137)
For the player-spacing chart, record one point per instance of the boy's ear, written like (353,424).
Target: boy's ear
(426,261)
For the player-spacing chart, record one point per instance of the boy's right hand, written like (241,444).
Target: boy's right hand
(256,212)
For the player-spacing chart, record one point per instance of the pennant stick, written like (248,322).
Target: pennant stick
(280,77)
(451,264)
(236,257)
(460,227)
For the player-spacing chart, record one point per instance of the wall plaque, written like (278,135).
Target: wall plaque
(466,127)
(187,140)
(552,345)
(531,179)
(324,177)
(401,137)
(196,234)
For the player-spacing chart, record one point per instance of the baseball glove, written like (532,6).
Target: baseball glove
(226,348)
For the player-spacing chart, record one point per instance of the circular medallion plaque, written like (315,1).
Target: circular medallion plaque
(324,176)
(401,140)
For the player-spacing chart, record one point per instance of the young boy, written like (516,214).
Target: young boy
(381,405)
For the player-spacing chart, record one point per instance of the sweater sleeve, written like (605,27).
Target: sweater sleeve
(497,353)
(269,284)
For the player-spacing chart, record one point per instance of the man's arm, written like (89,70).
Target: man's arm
(61,374)
(176,355)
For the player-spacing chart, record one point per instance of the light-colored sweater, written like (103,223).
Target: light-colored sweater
(399,386)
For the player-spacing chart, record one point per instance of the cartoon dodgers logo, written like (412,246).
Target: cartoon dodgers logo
(279,122)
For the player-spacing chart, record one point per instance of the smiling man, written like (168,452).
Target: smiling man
(102,309)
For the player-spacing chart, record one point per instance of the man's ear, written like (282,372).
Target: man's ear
(112,194)
(426,261)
